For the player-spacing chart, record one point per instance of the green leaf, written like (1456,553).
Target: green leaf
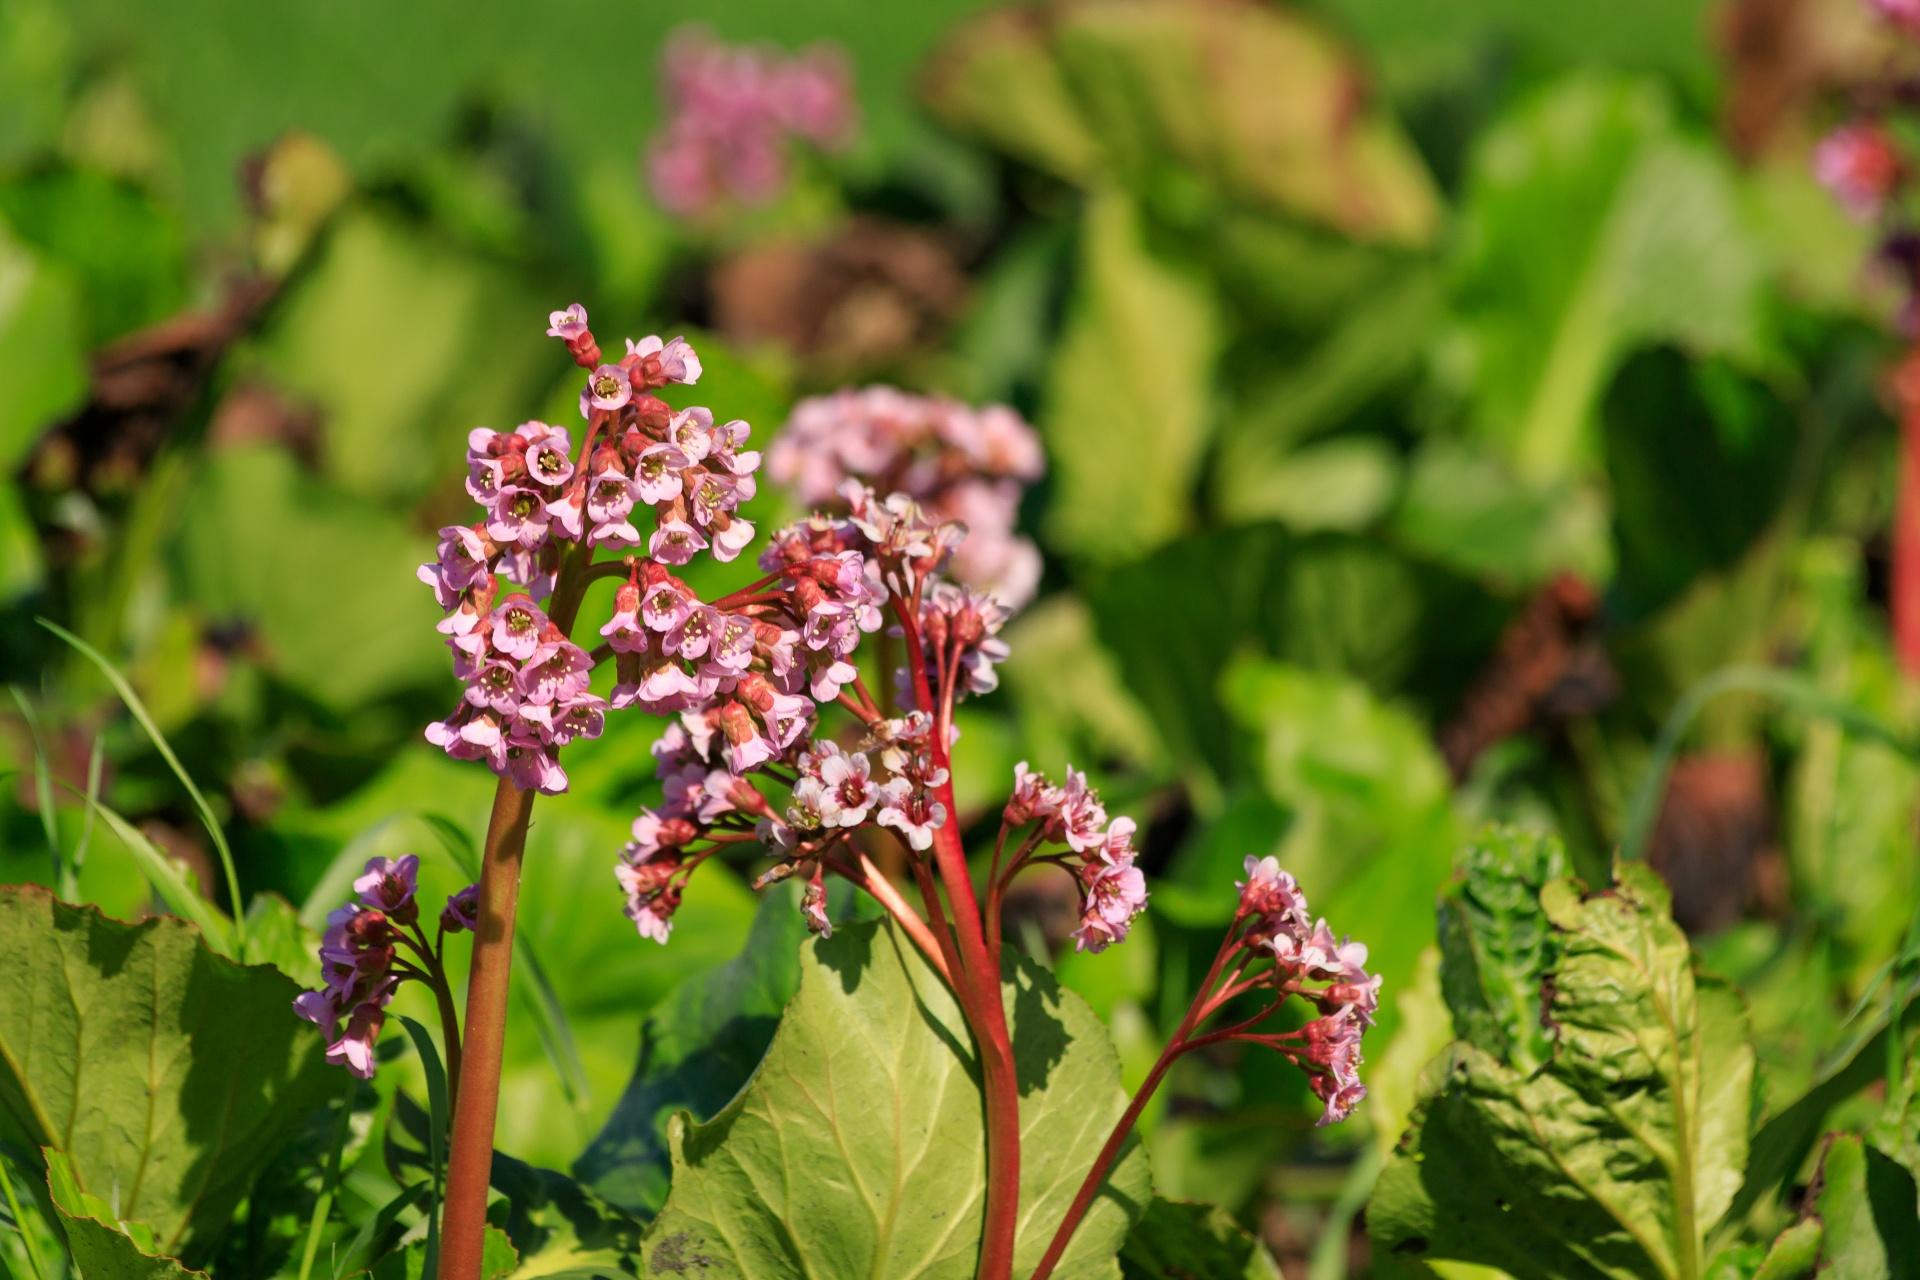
(995,80)
(1070,700)
(117,1047)
(1372,831)
(858,1147)
(1670,420)
(1183,1240)
(103,1247)
(497,1260)
(696,1050)
(264,542)
(1496,945)
(397,411)
(558,1226)
(1255,102)
(1591,226)
(42,347)
(1463,507)
(1867,1209)
(1618,1156)
(123,246)
(1127,411)
(1794,1253)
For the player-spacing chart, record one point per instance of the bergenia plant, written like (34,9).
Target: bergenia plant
(747,761)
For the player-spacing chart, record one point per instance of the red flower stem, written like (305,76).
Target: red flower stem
(1904,578)
(868,877)
(1102,1163)
(866,715)
(470,1153)
(987,1016)
(470,1159)
(937,918)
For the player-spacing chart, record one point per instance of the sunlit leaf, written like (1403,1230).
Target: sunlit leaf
(1618,1157)
(1128,406)
(1496,946)
(103,1247)
(119,1050)
(804,1175)
(1182,1240)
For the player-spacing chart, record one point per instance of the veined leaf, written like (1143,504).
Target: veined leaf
(1185,1240)
(696,1051)
(1867,1210)
(1616,1158)
(1127,411)
(117,1047)
(103,1247)
(1496,945)
(858,1148)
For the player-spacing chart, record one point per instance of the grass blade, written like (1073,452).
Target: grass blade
(139,710)
(378,1223)
(20,1222)
(436,1135)
(324,1205)
(43,794)
(454,839)
(171,883)
(96,767)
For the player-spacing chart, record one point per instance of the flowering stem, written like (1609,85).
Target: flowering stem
(470,1161)
(1177,1045)
(979,990)
(868,877)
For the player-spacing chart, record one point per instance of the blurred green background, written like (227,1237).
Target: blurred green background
(1433,394)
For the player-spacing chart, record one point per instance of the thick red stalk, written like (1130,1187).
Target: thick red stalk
(470,1149)
(1905,576)
(979,990)
(470,1159)
(1177,1044)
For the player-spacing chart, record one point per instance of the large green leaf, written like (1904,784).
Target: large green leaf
(405,345)
(1617,1157)
(1867,1207)
(1264,106)
(858,1147)
(1128,407)
(265,543)
(125,248)
(1253,103)
(1372,830)
(696,1050)
(1184,1240)
(1590,226)
(1496,945)
(42,347)
(103,1247)
(119,1046)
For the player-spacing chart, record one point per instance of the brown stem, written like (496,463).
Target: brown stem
(470,1158)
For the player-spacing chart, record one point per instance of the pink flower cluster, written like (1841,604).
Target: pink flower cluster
(961,464)
(527,694)
(1903,13)
(1327,1048)
(731,113)
(357,958)
(1112,890)
(1859,164)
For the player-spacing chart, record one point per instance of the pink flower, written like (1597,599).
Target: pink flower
(1269,891)
(387,884)
(1857,162)
(674,542)
(354,1049)
(664,362)
(657,475)
(625,632)
(550,462)
(1114,891)
(568,324)
(1033,797)
(652,898)
(462,912)
(518,626)
(1905,13)
(607,389)
(911,812)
